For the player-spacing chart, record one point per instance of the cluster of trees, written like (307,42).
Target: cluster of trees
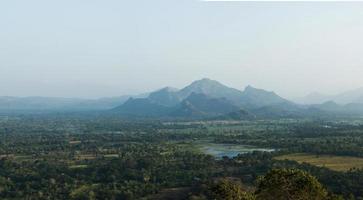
(281,184)
(137,170)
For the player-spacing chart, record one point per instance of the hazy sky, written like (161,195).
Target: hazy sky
(94,48)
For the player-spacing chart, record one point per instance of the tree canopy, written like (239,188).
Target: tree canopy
(287,184)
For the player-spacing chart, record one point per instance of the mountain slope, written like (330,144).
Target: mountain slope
(254,98)
(353,96)
(166,97)
(284,109)
(211,88)
(313,98)
(201,105)
(141,107)
(237,115)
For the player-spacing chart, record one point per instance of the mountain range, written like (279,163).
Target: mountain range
(207,98)
(202,99)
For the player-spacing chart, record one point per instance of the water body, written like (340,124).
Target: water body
(230,150)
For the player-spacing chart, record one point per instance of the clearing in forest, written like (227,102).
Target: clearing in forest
(336,163)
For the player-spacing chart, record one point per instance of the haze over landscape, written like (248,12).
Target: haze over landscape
(181,100)
(97,49)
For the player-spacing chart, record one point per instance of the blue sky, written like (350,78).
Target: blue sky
(89,48)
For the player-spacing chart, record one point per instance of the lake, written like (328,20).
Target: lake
(229,150)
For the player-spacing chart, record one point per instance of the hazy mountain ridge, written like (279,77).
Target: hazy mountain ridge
(203,98)
(352,96)
(334,108)
(8,103)
(349,103)
(208,98)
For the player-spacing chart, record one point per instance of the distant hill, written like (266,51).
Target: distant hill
(313,98)
(334,108)
(348,103)
(9,104)
(352,96)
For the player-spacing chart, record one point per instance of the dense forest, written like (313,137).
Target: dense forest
(97,157)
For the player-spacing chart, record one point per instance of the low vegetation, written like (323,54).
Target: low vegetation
(337,163)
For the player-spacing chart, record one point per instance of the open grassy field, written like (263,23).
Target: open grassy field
(337,163)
